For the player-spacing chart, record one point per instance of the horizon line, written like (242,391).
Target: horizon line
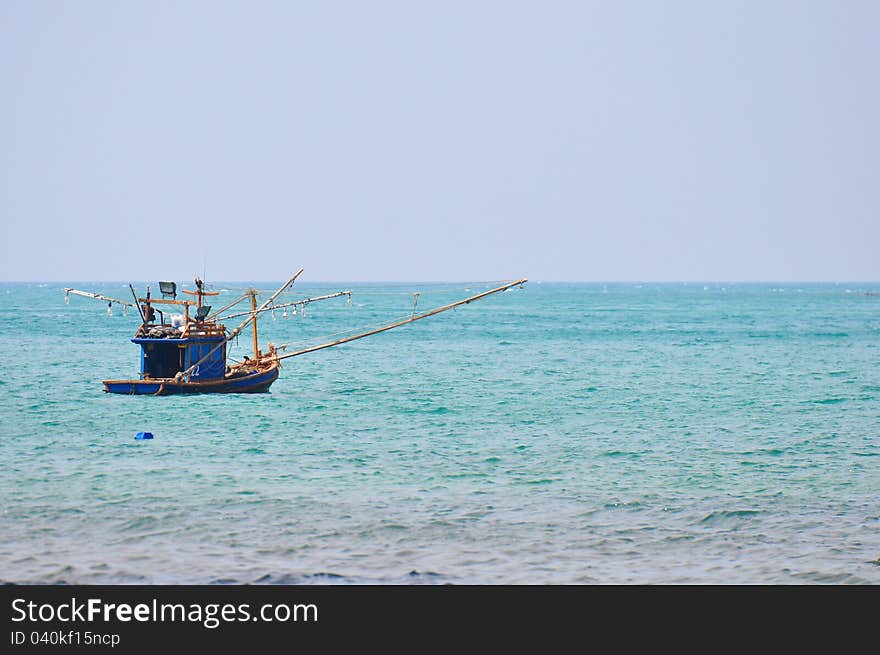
(471,281)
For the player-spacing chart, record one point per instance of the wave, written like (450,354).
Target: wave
(727,515)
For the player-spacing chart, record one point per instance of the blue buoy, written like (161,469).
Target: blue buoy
(143,435)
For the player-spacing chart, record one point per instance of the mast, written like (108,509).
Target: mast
(411,319)
(199,293)
(254,314)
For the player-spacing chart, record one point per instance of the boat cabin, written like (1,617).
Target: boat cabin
(165,357)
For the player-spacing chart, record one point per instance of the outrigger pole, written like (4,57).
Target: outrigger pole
(237,331)
(305,301)
(415,317)
(97,296)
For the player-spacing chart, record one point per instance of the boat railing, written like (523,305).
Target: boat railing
(203,330)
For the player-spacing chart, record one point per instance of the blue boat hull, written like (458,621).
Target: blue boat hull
(255,382)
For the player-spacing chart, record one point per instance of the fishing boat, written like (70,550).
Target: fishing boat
(184,353)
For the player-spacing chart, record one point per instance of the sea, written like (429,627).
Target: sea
(589,433)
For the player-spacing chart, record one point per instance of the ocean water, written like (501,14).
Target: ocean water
(563,433)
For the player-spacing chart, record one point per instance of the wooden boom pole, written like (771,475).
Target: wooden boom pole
(415,317)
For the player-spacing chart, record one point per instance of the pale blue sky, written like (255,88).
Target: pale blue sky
(440,141)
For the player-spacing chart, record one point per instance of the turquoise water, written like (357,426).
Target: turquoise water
(563,433)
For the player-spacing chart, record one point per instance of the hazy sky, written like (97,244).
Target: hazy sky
(440,141)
